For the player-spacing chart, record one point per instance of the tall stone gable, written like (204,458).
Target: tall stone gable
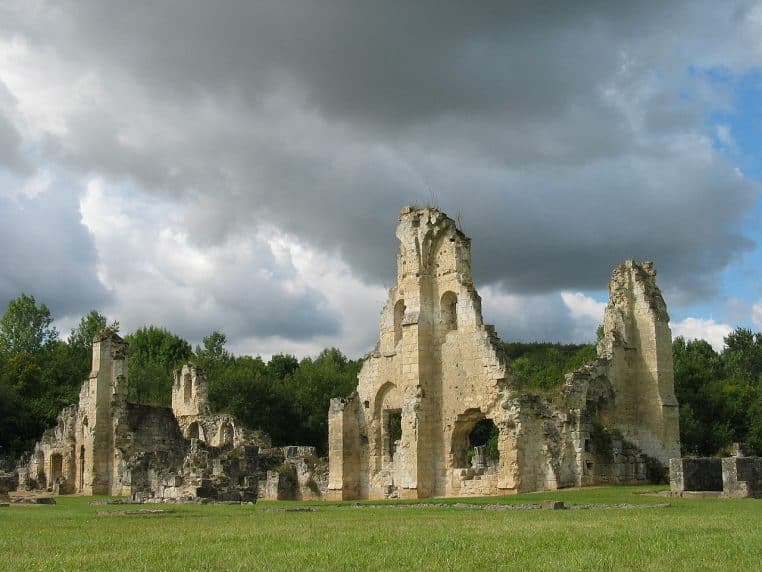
(637,345)
(438,370)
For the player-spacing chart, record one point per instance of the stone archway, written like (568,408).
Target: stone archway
(389,413)
(81,469)
(56,468)
(448,308)
(226,434)
(474,429)
(194,431)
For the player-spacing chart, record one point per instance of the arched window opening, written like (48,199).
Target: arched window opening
(188,386)
(193,431)
(226,435)
(56,467)
(449,309)
(81,468)
(392,432)
(475,442)
(399,315)
(483,451)
(388,408)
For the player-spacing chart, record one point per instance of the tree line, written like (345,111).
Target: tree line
(40,374)
(720,394)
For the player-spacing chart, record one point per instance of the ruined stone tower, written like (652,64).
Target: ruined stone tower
(190,401)
(438,371)
(637,343)
(103,402)
(189,391)
(425,384)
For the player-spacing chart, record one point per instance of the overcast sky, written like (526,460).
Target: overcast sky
(241,166)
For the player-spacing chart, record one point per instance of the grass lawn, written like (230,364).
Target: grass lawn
(690,534)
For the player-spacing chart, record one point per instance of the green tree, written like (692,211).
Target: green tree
(282,365)
(153,354)
(310,388)
(214,347)
(212,355)
(743,355)
(718,393)
(80,341)
(90,325)
(245,388)
(26,327)
(20,425)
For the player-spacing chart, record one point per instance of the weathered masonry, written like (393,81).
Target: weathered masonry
(106,445)
(439,375)
(737,476)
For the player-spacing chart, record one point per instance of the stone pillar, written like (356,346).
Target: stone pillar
(344,449)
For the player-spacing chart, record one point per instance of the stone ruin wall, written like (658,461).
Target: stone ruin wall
(437,370)
(440,370)
(637,344)
(77,455)
(190,406)
(105,445)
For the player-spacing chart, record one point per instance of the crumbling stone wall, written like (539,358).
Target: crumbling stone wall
(638,347)
(438,370)
(190,405)
(105,445)
(300,474)
(78,454)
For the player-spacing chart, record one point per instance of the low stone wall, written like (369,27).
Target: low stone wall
(742,477)
(695,474)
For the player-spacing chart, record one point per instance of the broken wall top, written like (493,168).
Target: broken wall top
(633,293)
(419,232)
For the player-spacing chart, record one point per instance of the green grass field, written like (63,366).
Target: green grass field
(689,534)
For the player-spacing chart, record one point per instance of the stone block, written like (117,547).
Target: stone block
(695,474)
(553,505)
(742,477)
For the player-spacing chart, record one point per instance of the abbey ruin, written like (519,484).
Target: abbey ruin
(438,371)
(437,377)
(105,445)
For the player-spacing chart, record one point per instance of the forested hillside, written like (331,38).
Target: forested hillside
(720,395)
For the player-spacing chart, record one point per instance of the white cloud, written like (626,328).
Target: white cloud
(158,276)
(583,307)
(586,312)
(725,137)
(266,290)
(756,314)
(702,329)
(566,317)
(244,179)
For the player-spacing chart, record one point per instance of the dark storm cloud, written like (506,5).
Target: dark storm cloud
(48,254)
(561,132)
